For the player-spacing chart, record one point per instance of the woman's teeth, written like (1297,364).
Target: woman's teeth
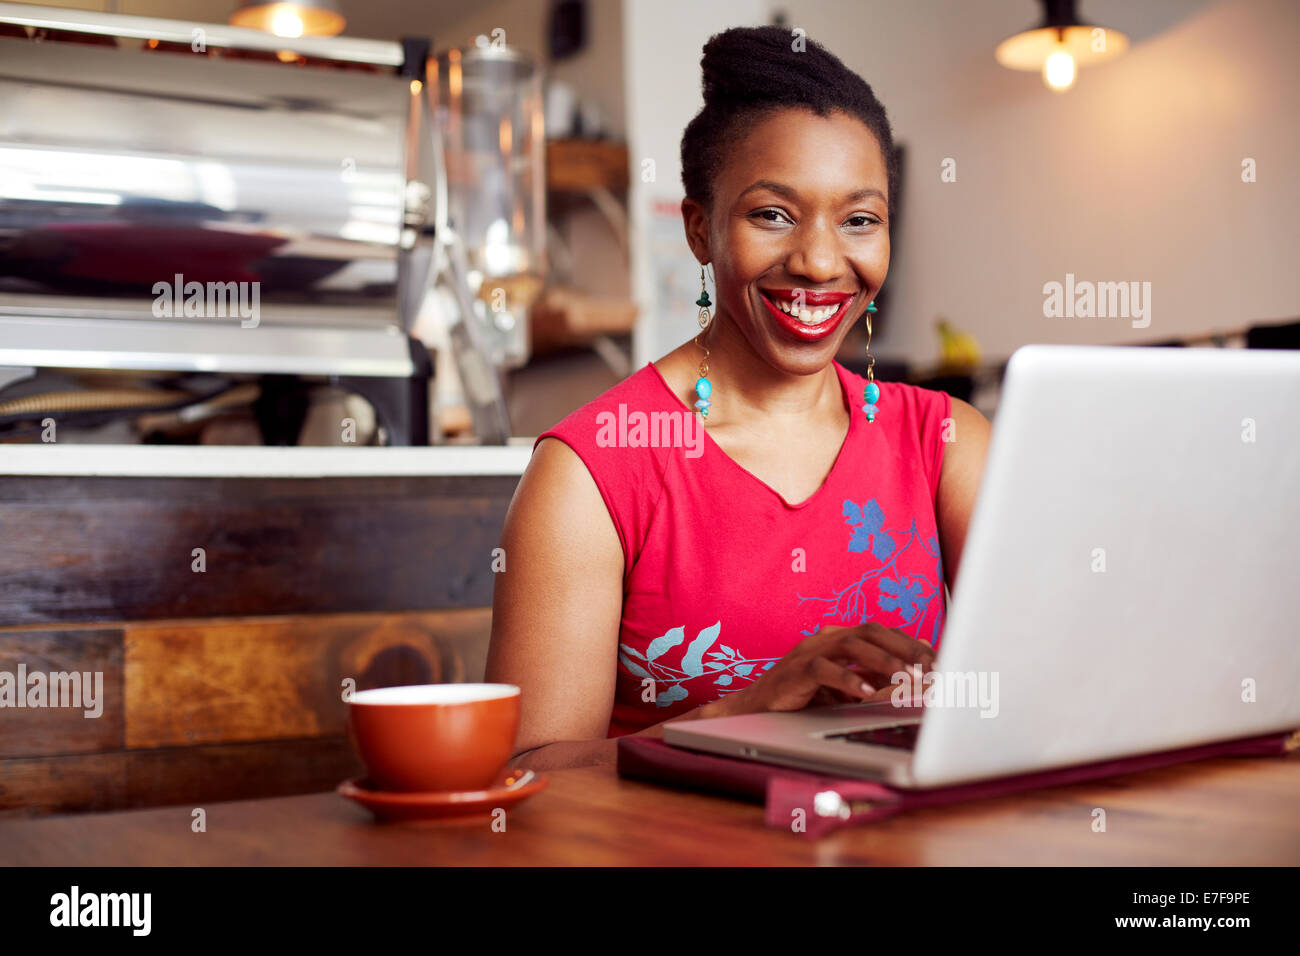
(807,316)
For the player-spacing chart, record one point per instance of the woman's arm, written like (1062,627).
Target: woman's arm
(556,611)
(556,606)
(959,482)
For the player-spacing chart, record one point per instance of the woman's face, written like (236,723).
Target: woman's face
(799,224)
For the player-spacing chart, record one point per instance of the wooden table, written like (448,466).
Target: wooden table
(1219,811)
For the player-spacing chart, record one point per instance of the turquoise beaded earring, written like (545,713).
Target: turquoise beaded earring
(703,387)
(872,392)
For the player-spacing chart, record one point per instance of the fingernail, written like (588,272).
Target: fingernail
(867,688)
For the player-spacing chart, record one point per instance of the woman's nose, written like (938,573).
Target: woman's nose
(816,258)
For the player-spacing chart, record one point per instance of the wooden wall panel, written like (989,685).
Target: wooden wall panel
(60,730)
(200,775)
(119,549)
(71,782)
(196,776)
(216,710)
(227,684)
(264,678)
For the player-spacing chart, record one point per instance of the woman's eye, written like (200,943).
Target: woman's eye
(861,221)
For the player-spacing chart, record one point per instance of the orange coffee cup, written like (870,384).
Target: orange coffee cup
(434,737)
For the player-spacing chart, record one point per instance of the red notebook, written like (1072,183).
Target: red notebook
(829,802)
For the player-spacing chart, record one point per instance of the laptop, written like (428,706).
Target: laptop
(1128,584)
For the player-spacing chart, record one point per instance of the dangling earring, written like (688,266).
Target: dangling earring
(872,392)
(703,387)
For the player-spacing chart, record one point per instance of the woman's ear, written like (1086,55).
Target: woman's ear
(696,221)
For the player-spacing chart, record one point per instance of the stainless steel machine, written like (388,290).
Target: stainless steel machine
(197,198)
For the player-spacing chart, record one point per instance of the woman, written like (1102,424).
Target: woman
(794,551)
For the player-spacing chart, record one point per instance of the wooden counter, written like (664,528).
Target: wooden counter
(1227,810)
(318,565)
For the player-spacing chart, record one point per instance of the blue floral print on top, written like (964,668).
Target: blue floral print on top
(724,665)
(911,595)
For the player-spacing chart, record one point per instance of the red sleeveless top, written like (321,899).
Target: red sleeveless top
(722,576)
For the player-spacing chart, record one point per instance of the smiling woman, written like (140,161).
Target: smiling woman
(799,555)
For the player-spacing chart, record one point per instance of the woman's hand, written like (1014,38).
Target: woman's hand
(835,665)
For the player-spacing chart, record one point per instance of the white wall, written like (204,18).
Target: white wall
(663,41)
(1134,175)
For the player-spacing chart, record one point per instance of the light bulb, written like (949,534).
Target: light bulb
(1058,71)
(286,23)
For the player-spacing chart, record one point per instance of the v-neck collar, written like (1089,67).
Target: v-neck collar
(840,374)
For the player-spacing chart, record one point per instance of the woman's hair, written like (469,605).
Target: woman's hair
(751,72)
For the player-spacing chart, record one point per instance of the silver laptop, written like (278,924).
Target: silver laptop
(1129,582)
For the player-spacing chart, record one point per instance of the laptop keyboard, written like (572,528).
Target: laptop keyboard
(902,736)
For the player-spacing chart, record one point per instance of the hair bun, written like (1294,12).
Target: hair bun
(745,63)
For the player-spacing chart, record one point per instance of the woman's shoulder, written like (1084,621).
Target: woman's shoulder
(624,438)
(625,435)
(919,418)
(927,408)
(620,416)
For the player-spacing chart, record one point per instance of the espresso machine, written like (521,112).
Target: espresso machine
(205,201)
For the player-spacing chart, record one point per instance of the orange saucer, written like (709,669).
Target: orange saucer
(453,806)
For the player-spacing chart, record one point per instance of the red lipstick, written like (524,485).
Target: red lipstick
(810,296)
(811,299)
